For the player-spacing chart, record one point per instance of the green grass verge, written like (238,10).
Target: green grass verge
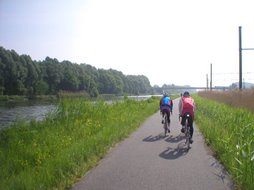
(230,132)
(54,153)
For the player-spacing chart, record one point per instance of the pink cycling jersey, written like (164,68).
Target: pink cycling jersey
(188,106)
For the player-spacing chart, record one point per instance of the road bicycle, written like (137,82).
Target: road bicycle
(187,118)
(166,123)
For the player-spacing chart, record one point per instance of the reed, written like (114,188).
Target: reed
(230,132)
(55,152)
(236,98)
(69,94)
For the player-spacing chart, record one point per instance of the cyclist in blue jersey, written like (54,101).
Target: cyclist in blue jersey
(166,106)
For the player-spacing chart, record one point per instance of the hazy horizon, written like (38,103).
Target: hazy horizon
(170,42)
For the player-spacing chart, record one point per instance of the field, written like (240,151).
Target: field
(240,99)
(54,153)
(230,132)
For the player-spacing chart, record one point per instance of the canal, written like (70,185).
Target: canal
(38,110)
(11,112)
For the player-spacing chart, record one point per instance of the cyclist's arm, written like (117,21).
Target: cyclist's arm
(180,106)
(194,106)
(171,106)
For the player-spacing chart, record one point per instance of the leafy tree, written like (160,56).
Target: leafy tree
(9,72)
(1,85)
(20,75)
(2,66)
(41,87)
(21,89)
(54,74)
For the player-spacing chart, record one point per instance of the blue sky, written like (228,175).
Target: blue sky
(166,40)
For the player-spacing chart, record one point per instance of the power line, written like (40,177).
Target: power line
(233,73)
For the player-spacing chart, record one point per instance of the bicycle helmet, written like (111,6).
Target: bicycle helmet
(186,93)
(165,94)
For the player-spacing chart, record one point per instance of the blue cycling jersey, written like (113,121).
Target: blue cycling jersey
(166,103)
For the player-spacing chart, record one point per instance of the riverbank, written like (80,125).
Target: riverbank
(230,133)
(63,94)
(21,108)
(18,108)
(54,152)
(16,99)
(28,111)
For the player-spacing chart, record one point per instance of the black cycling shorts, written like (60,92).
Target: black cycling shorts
(184,119)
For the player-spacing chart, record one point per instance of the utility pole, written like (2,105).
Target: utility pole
(207,86)
(211,77)
(240,58)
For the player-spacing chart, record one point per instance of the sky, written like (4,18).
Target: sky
(169,41)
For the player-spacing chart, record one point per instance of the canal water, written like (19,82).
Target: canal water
(12,112)
(38,110)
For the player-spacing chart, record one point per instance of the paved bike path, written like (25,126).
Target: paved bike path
(147,161)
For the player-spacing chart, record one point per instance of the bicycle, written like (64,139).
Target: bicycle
(165,123)
(187,130)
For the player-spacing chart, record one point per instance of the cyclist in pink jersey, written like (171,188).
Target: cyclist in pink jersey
(187,106)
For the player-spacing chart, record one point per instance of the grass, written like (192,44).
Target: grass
(54,153)
(68,94)
(230,132)
(4,98)
(236,98)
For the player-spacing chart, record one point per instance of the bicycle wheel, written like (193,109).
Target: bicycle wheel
(187,133)
(165,124)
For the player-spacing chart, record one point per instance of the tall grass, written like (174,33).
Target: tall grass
(236,98)
(230,131)
(69,94)
(54,153)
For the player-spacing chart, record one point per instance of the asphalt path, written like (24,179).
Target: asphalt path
(148,160)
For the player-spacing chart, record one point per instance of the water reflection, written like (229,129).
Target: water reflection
(10,113)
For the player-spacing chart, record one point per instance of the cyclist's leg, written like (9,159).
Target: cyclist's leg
(162,119)
(168,115)
(191,126)
(183,123)
(191,130)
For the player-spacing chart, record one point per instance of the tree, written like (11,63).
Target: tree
(20,75)
(9,72)
(54,74)
(32,75)
(41,88)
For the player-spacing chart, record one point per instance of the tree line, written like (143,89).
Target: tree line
(20,75)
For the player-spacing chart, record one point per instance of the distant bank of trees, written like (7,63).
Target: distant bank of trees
(20,75)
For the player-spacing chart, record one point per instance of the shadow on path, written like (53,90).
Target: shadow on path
(152,138)
(176,139)
(221,172)
(174,153)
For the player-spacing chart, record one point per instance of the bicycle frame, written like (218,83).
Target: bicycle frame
(187,130)
(165,123)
